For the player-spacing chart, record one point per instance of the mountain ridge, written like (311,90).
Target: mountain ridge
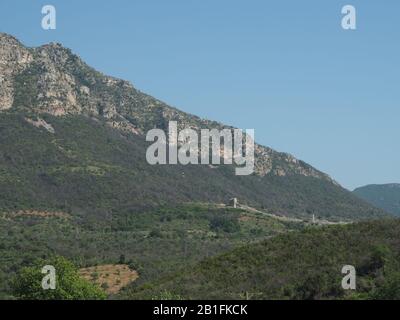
(132,111)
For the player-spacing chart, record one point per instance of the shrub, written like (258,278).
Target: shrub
(27,285)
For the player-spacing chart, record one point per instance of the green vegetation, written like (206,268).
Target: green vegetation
(27,285)
(386,196)
(26,87)
(92,171)
(225,224)
(84,191)
(183,236)
(114,203)
(298,265)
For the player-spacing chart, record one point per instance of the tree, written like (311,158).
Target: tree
(390,290)
(167,295)
(27,285)
(225,224)
(380,255)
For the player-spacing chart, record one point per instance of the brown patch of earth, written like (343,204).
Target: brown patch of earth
(111,277)
(40,214)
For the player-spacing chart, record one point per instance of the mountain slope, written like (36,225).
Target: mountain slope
(73,139)
(50,79)
(386,196)
(84,167)
(297,265)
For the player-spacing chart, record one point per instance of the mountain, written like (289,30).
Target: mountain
(297,265)
(72,139)
(385,196)
(52,80)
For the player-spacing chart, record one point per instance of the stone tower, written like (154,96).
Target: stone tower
(233,203)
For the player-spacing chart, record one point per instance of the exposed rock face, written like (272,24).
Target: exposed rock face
(51,79)
(13,59)
(40,123)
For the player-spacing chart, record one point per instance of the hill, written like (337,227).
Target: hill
(385,196)
(152,242)
(297,265)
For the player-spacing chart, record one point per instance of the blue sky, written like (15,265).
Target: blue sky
(285,68)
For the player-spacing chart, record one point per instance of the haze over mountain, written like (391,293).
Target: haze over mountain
(385,196)
(73,139)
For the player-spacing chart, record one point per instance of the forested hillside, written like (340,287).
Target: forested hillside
(152,242)
(85,168)
(385,196)
(297,265)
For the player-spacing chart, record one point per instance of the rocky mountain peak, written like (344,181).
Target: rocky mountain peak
(6,38)
(14,57)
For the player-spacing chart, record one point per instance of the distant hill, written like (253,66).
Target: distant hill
(297,265)
(385,196)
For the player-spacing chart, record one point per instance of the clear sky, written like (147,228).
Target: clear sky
(285,68)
